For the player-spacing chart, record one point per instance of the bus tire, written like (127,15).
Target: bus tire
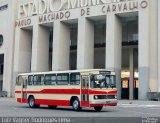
(31,102)
(76,105)
(52,107)
(98,108)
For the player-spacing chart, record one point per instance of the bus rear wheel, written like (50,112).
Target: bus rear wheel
(98,108)
(31,103)
(76,105)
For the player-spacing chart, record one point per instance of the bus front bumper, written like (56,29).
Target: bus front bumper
(103,103)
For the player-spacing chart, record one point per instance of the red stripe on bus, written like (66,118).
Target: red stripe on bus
(112,104)
(86,91)
(52,102)
(46,102)
(53,91)
(85,103)
(61,91)
(102,92)
(22,100)
(68,91)
(17,92)
(19,100)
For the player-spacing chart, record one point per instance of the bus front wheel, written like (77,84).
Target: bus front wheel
(31,103)
(98,108)
(76,105)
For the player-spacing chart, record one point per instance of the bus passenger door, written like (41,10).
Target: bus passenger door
(85,91)
(24,91)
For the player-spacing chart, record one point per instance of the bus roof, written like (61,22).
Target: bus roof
(67,71)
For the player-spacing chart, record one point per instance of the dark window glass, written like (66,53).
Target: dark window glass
(1,40)
(50,80)
(99,33)
(30,80)
(73,34)
(19,80)
(1,69)
(63,79)
(130,30)
(3,7)
(38,79)
(75,78)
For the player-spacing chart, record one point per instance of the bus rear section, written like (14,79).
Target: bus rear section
(92,89)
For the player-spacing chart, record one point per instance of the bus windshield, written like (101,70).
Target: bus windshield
(102,81)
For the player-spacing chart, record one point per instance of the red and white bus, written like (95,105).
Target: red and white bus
(78,88)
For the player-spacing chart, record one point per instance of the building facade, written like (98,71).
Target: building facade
(119,35)
(8,13)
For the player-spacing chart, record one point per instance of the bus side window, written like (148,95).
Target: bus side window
(75,78)
(63,79)
(92,79)
(83,83)
(18,81)
(38,80)
(30,80)
(50,80)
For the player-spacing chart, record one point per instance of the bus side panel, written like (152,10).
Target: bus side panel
(22,100)
(53,102)
(19,98)
(53,95)
(18,94)
(85,104)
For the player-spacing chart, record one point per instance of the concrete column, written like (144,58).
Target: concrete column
(22,53)
(85,50)
(131,70)
(158,45)
(144,33)
(114,47)
(153,75)
(7,82)
(23,48)
(40,49)
(11,47)
(61,46)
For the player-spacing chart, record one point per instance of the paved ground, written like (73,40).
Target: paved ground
(130,109)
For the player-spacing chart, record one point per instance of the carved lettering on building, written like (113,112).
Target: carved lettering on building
(36,7)
(123,7)
(23,22)
(30,9)
(54,16)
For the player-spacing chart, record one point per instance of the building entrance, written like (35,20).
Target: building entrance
(129,62)
(125,88)
(136,85)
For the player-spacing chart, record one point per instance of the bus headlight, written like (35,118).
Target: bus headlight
(115,96)
(95,97)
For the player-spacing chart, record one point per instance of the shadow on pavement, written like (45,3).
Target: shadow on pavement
(68,109)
